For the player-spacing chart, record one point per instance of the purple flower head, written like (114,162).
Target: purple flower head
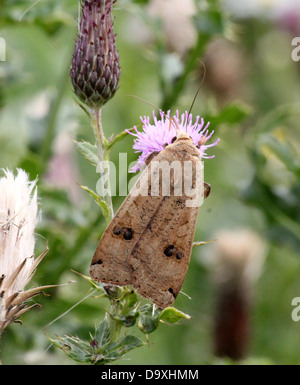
(154,137)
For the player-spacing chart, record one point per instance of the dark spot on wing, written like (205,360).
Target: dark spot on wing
(172,292)
(128,234)
(169,251)
(99,262)
(117,231)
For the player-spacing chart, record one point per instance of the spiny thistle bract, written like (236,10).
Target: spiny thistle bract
(95,69)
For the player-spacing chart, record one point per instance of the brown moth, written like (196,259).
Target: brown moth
(148,243)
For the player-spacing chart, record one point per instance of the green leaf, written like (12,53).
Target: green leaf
(78,350)
(96,285)
(149,320)
(123,345)
(201,243)
(130,299)
(231,114)
(103,205)
(89,151)
(83,107)
(127,320)
(278,116)
(148,324)
(172,315)
(102,334)
(83,351)
(113,140)
(283,152)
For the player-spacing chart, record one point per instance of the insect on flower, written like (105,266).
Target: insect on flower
(148,243)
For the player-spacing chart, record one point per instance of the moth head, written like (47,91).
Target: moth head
(182,135)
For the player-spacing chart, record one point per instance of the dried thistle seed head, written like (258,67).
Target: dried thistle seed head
(95,69)
(18,217)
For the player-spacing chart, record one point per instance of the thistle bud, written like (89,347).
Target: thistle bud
(95,69)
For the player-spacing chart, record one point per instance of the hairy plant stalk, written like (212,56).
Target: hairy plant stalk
(103,156)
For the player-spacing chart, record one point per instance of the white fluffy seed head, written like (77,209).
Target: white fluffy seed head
(18,217)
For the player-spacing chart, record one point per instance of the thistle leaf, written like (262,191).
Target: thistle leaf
(172,315)
(103,205)
(113,140)
(123,345)
(102,333)
(89,151)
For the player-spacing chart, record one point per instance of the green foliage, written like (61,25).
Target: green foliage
(99,351)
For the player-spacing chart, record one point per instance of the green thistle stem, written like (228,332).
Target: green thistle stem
(103,153)
(114,325)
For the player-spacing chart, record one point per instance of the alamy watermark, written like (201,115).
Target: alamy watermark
(160,178)
(296,311)
(296,51)
(2,49)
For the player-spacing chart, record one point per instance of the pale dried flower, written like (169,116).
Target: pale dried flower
(18,218)
(176,17)
(237,257)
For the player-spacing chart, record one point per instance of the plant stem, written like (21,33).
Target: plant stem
(115,326)
(103,156)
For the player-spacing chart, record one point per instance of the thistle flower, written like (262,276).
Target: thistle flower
(95,70)
(18,217)
(155,136)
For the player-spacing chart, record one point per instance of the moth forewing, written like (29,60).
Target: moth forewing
(149,241)
(160,257)
(110,261)
(194,182)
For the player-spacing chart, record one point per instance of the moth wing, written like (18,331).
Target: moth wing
(161,256)
(110,261)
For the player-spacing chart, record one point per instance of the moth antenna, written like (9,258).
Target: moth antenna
(197,93)
(28,9)
(158,109)
(175,124)
(146,101)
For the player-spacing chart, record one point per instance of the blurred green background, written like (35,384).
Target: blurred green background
(251,97)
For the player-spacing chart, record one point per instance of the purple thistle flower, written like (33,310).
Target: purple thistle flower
(154,137)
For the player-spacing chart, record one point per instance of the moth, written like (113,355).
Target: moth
(148,243)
